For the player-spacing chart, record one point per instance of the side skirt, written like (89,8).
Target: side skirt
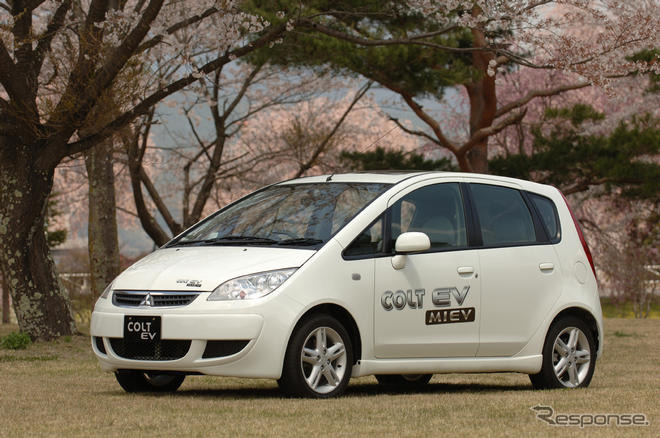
(524,364)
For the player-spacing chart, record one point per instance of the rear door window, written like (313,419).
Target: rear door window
(503,216)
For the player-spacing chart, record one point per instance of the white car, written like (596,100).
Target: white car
(399,275)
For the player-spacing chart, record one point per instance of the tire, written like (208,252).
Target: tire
(319,359)
(569,356)
(137,381)
(404,380)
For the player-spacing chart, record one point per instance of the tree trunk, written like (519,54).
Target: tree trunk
(103,244)
(42,307)
(483,104)
(149,223)
(5,301)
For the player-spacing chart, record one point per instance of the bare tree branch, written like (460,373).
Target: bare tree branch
(415,40)
(157,96)
(177,26)
(8,75)
(46,39)
(483,133)
(22,17)
(430,121)
(538,93)
(304,167)
(239,96)
(135,145)
(413,131)
(204,148)
(173,225)
(388,42)
(128,212)
(65,121)
(583,185)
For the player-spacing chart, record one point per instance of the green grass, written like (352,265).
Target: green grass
(15,341)
(57,389)
(625,310)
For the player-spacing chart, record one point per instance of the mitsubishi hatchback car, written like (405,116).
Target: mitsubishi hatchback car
(399,275)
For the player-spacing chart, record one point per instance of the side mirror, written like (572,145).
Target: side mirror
(408,243)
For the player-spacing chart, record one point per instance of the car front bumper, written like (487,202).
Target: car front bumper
(242,344)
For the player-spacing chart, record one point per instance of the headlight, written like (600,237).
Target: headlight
(107,290)
(251,286)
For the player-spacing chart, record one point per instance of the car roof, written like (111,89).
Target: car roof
(395,177)
(390,177)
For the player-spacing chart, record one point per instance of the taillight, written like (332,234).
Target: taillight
(579,231)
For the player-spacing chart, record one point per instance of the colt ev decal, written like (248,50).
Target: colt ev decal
(440,297)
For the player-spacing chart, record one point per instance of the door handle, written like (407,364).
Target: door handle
(547,267)
(465,270)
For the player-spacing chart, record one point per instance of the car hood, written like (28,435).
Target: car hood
(205,268)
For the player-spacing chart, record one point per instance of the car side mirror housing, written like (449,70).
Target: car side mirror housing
(408,243)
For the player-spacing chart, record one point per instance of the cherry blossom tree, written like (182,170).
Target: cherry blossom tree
(308,138)
(73,73)
(588,40)
(225,101)
(48,97)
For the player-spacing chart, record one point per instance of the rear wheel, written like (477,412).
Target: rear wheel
(569,356)
(318,360)
(405,380)
(138,381)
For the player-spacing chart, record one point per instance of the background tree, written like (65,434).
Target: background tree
(387,159)
(608,159)
(47,97)
(62,62)
(630,277)
(54,237)
(228,100)
(618,159)
(463,44)
(102,239)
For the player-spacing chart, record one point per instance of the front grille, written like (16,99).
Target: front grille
(222,348)
(126,298)
(164,349)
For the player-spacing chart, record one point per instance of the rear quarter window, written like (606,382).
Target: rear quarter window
(548,212)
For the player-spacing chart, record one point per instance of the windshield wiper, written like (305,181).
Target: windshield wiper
(186,242)
(241,240)
(303,241)
(229,240)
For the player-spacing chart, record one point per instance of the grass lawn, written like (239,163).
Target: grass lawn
(625,310)
(57,389)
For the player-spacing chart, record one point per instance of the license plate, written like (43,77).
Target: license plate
(141,328)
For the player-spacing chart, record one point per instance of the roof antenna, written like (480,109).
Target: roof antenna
(328,179)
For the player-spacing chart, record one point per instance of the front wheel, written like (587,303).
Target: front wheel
(318,360)
(569,356)
(138,381)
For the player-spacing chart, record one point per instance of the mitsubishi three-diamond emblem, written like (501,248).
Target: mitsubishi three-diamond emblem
(148,301)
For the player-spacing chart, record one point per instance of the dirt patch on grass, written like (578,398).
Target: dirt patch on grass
(58,389)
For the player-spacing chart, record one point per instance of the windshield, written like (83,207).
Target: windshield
(295,215)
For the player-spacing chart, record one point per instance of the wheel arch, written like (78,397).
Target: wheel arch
(340,314)
(583,314)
